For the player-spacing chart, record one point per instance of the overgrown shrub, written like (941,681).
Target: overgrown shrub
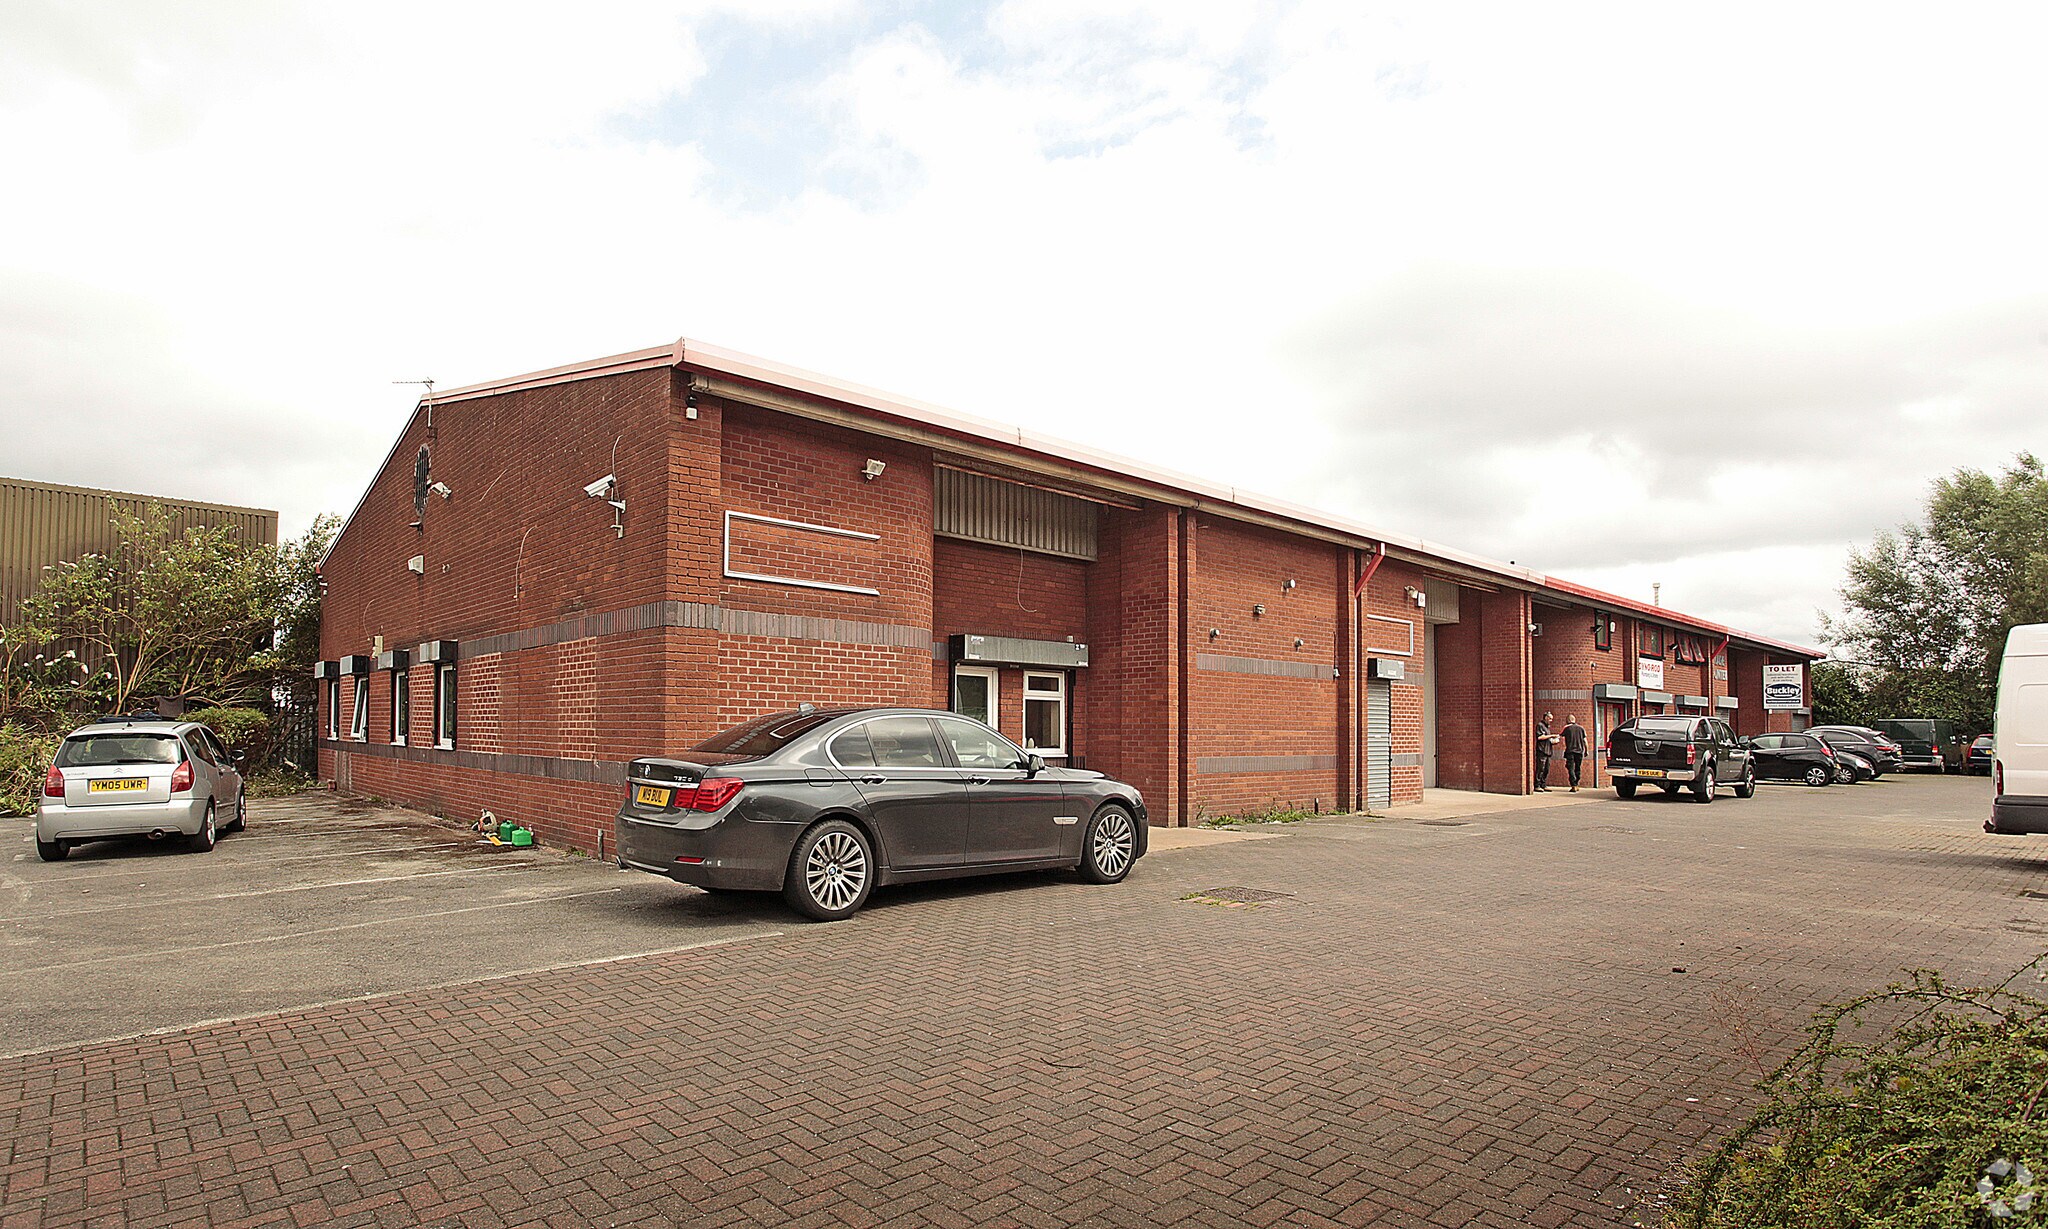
(25,756)
(1938,1118)
(242,729)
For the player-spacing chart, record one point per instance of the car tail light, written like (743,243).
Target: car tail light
(1827,751)
(1997,777)
(1691,753)
(711,793)
(181,777)
(53,783)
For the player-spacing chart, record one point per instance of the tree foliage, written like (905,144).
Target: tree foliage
(1919,1105)
(200,616)
(1926,610)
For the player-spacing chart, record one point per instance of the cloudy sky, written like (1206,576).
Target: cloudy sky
(1630,293)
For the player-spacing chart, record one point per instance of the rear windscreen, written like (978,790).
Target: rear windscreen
(1922,730)
(1681,726)
(762,737)
(97,750)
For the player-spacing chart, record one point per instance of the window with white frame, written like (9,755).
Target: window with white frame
(975,693)
(1045,713)
(401,701)
(359,723)
(333,708)
(444,705)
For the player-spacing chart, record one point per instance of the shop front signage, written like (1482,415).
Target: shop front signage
(1650,673)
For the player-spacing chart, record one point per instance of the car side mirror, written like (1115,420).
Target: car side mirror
(1747,744)
(239,759)
(1034,763)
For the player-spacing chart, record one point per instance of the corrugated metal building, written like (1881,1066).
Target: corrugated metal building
(42,523)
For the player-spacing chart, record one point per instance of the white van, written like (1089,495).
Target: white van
(2019,773)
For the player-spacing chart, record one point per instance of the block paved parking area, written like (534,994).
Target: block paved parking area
(1516,1019)
(320,899)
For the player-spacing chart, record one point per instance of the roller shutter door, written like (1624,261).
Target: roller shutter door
(1379,742)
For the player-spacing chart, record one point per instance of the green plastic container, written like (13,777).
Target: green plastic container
(506,828)
(521,837)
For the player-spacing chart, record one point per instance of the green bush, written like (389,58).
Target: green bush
(242,729)
(1940,1118)
(25,756)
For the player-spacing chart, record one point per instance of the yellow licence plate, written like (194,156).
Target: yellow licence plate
(114,785)
(1649,772)
(651,795)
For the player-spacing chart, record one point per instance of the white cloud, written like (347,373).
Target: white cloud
(1354,258)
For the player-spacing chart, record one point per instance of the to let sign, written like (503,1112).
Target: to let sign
(1784,688)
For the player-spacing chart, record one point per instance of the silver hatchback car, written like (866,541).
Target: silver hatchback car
(140,777)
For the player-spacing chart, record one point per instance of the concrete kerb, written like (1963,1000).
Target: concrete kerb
(1463,804)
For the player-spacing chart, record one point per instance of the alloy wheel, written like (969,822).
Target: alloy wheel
(836,871)
(204,839)
(1115,843)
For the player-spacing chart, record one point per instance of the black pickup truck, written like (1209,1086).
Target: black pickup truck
(1697,753)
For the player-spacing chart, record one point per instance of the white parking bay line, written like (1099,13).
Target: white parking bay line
(161,952)
(303,887)
(374,996)
(141,866)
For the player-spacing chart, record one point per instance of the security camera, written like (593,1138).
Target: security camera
(441,489)
(602,487)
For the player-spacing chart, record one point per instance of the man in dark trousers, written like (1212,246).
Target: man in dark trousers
(1544,739)
(1574,748)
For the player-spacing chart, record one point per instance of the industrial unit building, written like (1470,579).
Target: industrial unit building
(555,573)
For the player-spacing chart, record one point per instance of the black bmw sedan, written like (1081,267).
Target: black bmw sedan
(825,805)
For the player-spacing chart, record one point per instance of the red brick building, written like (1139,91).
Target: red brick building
(554,573)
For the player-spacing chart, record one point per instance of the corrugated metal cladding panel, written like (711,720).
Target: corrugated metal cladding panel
(1443,600)
(978,508)
(1379,742)
(43,523)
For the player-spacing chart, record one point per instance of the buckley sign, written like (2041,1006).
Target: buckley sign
(1784,688)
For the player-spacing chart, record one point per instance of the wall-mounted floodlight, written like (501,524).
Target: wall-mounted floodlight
(873,469)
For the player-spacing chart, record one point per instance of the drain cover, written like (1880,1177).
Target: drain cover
(1444,823)
(2031,894)
(1239,896)
(1616,828)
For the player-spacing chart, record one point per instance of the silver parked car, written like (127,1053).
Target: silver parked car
(140,777)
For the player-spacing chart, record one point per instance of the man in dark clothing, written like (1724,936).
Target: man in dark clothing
(1544,739)
(1574,748)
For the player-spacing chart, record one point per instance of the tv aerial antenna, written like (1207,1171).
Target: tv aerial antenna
(428,399)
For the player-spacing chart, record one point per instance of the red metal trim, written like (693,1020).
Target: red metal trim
(1665,614)
(1379,554)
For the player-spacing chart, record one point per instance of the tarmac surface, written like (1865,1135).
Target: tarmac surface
(1519,1018)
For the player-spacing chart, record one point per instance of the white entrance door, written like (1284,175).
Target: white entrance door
(974,694)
